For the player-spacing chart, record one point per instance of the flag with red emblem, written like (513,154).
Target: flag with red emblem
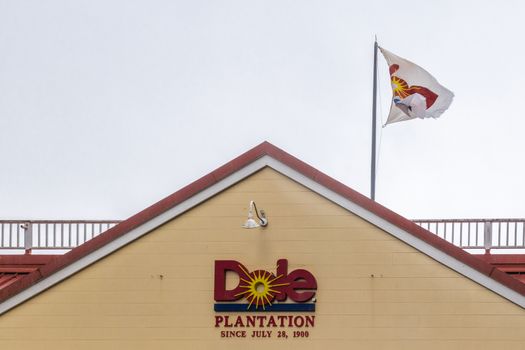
(416,93)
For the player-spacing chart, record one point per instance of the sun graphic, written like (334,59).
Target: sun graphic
(399,86)
(260,287)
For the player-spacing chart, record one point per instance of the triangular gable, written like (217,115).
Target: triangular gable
(264,155)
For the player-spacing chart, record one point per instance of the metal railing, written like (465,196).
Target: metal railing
(479,233)
(50,234)
(67,234)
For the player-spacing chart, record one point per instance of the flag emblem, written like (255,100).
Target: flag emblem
(416,93)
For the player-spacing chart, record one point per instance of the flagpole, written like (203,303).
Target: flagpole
(374,98)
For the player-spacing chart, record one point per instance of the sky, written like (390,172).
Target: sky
(108,106)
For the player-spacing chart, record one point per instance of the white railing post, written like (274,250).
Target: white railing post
(28,236)
(487,236)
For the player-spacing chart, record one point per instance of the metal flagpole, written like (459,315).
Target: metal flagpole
(373,164)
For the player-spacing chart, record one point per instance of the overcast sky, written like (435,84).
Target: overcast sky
(108,106)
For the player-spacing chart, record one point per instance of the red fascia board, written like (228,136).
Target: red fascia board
(7,279)
(26,259)
(18,286)
(519,278)
(17,269)
(512,268)
(508,281)
(228,169)
(504,259)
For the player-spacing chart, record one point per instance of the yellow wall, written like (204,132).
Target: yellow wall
(121,302)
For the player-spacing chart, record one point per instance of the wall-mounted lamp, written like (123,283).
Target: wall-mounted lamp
(251,223)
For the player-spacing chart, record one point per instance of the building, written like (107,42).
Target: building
(332,269)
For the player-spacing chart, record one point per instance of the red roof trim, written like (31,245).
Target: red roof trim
(503,259)
(6,279)
(228,169)
(25,259)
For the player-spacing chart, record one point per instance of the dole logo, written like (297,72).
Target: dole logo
(262,288)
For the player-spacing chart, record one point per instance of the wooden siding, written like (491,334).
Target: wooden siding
(374,291)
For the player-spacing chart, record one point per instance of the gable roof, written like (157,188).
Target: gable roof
(263,155)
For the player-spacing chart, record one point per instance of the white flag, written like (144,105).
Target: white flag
(416,93)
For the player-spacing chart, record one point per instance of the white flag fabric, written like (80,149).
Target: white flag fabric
(416,93)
